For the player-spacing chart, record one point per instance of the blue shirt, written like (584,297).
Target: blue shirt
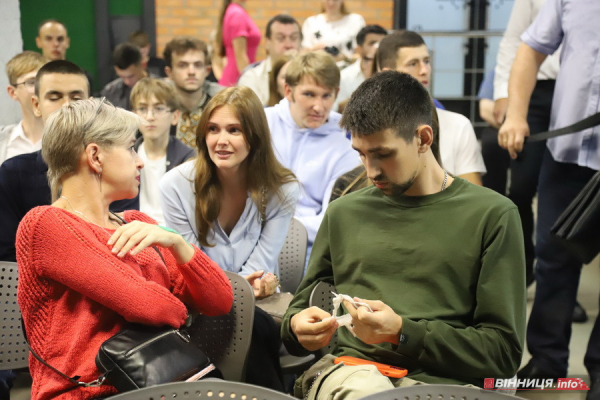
(249,247)
(486,89)
(577,92)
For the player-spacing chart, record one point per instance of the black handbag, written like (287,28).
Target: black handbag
(578,227)
(140,356)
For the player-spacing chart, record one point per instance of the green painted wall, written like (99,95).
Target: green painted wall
(125,7)
(78,17)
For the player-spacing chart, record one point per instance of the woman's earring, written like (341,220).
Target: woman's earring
(99,175)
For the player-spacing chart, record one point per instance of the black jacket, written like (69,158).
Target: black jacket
(177,153)
(24,185)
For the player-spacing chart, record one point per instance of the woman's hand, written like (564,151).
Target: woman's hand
(265,286)
(136,236)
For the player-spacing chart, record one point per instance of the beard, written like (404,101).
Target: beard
(396,189)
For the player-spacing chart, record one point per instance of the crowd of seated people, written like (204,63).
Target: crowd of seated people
(212,175)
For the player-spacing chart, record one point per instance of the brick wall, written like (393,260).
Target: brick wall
(199,17)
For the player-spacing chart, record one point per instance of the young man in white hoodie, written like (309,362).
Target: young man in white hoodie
(307,137)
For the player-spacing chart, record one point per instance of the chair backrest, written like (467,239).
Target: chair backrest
(322,297)
(14,352)
(439,392)
(204,389)
(292,258)
(226,339)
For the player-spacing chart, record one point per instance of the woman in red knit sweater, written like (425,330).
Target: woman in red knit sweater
(83,273)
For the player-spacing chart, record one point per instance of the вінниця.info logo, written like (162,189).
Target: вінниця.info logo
(536,384)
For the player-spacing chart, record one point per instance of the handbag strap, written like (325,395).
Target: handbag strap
(578,126)
(73,379)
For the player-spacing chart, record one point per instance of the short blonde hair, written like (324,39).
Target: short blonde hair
(73,127)
(24,63)
(163,91)
(317,65)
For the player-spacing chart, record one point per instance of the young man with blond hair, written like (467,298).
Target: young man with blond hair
(188,65)
(307,137)
(26,136)
(156,102)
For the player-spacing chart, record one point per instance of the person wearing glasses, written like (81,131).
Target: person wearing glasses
(23,181)
(26,136)
(85,272)
(156,102)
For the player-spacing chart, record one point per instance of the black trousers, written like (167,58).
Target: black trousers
(263,367)
(557,274)
(525,170)
(6,383)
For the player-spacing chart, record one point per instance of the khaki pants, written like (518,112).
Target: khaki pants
(341,382)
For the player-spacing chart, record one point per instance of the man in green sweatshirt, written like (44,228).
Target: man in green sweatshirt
(439,260)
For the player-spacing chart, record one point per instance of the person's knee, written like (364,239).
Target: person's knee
(353,382)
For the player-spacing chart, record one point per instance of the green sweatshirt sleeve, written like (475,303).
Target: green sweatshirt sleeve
(319,269)
(493,345)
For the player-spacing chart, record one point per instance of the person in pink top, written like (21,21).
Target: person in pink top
(238,38)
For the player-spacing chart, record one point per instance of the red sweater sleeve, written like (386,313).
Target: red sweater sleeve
(200,282)
(60,247)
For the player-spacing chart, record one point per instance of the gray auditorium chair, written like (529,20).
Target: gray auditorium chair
(204,389)
(14,353)
(322,297)
(226,339)
(439,392)
(292,258)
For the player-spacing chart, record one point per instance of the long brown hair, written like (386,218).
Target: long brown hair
(276,66)
(219,37)
(266,175)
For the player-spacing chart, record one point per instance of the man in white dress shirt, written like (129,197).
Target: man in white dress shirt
(406,51)
(282,36)
(26,136)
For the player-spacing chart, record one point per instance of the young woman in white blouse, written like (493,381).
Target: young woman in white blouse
(235,200)
(334,30)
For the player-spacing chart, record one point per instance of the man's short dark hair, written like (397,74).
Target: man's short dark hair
(362,34)
(52,20)
(125,55)
(282,19)
(59,67)
(387,53)
(181,45)
(388,100)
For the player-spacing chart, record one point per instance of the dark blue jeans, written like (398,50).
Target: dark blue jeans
(557,273)
(6,383)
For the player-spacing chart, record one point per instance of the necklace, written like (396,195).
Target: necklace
(445,180)
(84,216)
